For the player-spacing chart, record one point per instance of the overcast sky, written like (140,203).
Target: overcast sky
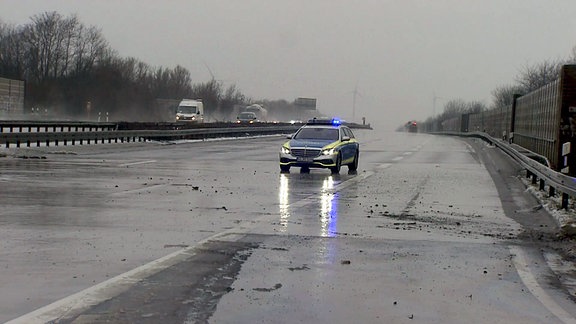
(398,54)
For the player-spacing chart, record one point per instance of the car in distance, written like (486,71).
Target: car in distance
(411,127)
(246,117)
(320,143)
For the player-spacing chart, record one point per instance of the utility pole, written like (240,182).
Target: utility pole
(434,98)
(354,102)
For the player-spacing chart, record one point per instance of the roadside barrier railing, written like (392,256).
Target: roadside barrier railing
(29,134)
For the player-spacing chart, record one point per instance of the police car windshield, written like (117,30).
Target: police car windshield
(319,133)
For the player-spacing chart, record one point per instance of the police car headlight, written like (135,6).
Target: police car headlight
(285,150)
(328,151)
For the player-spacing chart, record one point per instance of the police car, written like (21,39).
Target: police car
(321,143)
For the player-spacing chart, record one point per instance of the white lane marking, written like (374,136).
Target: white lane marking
(137,163)
(398,158)
(79,302)
(537,291)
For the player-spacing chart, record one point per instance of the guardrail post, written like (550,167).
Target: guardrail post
(528,174)
(551,191)
(534,179)
(542,184)
(564,201)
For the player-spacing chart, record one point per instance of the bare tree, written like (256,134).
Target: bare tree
(181,82)
(12,50)
(475,107)
(453,108)
(539,75)
(503,96)
(57,46)
(87,49)
(211,93)
(232,96)
(67,65)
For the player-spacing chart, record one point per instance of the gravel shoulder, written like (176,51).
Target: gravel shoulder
(544,222)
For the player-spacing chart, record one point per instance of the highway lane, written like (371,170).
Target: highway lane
(418,233)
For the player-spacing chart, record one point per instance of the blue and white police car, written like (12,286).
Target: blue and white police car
(321,143)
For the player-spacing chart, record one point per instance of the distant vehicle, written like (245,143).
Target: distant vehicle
(411,127)
(321,143)
(190,110)
(246,117)
(258,110)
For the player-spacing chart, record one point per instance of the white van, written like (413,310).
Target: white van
(190,110)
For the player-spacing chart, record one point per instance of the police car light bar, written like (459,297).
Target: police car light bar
(323,121)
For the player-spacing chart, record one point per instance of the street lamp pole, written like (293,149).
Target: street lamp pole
(434,98)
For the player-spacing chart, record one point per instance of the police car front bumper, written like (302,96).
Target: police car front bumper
(320,161)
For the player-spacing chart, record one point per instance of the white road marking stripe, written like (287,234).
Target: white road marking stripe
(83,300)
(537,291)
(137,163)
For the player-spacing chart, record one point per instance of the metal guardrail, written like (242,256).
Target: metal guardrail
(51,126)
(69,134)
(556,181)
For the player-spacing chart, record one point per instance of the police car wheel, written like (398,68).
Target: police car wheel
(304,170)
(336,169)
(284,168)
(354,165)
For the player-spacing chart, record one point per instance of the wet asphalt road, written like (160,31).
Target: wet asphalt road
(212,232)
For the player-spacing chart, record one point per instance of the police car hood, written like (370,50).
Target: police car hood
(310,143)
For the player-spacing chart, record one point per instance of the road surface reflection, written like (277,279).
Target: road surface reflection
(320,202)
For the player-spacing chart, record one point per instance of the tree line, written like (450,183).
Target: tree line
(529,78)
(71,70)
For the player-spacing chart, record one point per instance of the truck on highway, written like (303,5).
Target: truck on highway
(191,110)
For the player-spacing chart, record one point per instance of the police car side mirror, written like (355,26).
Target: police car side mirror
(345,138)
(289,136)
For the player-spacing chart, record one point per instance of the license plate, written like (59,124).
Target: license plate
(304,159)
